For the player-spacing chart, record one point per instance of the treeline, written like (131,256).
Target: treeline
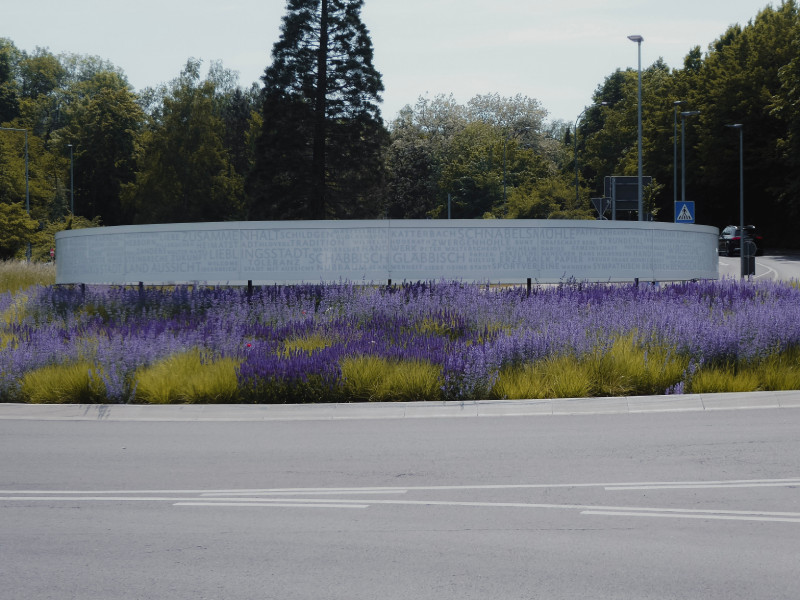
(311,143)
(750,76)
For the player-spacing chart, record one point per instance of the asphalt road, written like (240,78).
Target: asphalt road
(696,504)
(774,265)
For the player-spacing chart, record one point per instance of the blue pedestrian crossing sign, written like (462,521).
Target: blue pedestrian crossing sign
(684,212)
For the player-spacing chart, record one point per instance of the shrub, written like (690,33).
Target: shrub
(189,377)
(76,383)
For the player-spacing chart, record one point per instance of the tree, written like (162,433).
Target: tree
(16,229)
(9,102)
(185,173)
(740,82)
(319,154)
(104,134)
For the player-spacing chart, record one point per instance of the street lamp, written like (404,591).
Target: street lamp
(71,183)
(639,39)
(27,186)
(675,106)
(688,113)
(505,142)
(575,140)
(743,264)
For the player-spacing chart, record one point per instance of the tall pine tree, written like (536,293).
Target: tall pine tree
(319,154)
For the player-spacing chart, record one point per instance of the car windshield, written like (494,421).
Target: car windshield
(749,231)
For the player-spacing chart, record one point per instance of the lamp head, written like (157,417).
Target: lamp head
(690,113)
(636,38)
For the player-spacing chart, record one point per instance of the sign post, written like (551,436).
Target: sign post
(684,212)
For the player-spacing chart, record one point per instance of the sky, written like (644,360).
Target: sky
(557,52)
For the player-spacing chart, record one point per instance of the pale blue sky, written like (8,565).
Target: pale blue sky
(555,51)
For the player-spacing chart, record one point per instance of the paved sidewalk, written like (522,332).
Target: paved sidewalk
(398,410)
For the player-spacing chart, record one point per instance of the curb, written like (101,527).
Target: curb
(399,410)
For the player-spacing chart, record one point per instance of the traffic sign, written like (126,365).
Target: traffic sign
(684,212)
(601,205)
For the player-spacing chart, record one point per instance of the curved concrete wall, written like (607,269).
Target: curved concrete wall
(497,251)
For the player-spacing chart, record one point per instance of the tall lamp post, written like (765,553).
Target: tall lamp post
(639,39)
(675,106)
(71,183)
(505,143)
(27,185)
(684,114)
(575,140)
(743,263)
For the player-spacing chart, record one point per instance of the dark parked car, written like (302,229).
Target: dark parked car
(731,237)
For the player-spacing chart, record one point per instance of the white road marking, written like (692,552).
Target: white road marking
(304,492)
(585,509)
(691,516)
(272,504)
(708,485)
(332,498)
(788,482)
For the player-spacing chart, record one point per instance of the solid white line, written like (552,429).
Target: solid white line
(294,492)
(700,486)
(586,509)
(404,489)
(275,504)
(723,517)
(769,269)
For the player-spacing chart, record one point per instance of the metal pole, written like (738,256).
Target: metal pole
(505,141)
(683,158)
(71,183)
(641,201)
(639,39)
(688,113)
(575,153)
(27,196)
(743,270)
(675,105)
(743,262)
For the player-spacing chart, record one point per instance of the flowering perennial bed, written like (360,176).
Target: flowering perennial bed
(344,342)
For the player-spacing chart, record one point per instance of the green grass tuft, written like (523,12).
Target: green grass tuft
(779,371)
(377,379)
(725,378)
(76,383)
(307,344)
(189,377)
(628,369)
(557,377)
(623,369)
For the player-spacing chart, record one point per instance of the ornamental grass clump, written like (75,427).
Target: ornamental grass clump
(627,368)
(377,379)
(76,383)
(16,275)
(189,377)
(555,377)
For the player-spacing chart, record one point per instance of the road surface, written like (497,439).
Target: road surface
(663,505)
(777,265)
